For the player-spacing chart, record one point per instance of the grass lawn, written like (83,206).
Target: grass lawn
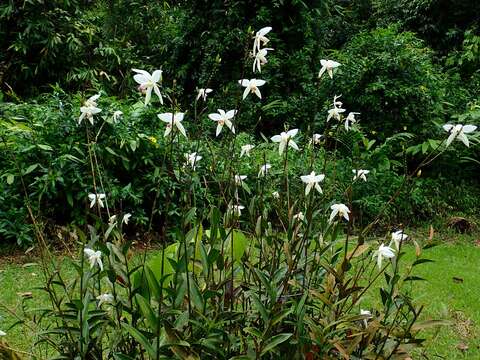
(452,292)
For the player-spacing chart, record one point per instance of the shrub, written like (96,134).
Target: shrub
(391,77)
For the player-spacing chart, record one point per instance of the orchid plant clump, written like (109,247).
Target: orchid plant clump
(259,263)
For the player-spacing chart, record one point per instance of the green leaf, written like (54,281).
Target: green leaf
(10,179)
(180,292)
(281,315)
(384,295)
(204,259)
(258,227)
(425,147)
(84,310)
(70,199)
(253,331)
(274,341)
(147,312)
(197,298)
(153,284)
(30,169)
(260,307)
(240,243)
(111,151)
(155,263)
(267,285)
(133,145)
(45,147)
(137,335)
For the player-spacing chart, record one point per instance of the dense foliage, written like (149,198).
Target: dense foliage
(406,68)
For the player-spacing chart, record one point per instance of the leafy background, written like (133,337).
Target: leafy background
(407,67)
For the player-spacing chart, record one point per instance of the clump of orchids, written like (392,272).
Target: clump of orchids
(149,83)
(279,245)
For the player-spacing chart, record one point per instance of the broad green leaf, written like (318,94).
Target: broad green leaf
(155,263)
(153,284)
(147,312)
(260,307)
(137,335)
(30,169)
(274,341)
(267,284)
(197,298)
(240,243)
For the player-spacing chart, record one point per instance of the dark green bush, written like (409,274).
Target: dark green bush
(391,79)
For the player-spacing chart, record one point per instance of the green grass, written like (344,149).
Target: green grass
(452,292)
(19,295)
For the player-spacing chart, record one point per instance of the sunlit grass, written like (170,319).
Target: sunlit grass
(452,291)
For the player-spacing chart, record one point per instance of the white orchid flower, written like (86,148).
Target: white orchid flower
(397,238)
(237,209)
(202,93)
(94,258)
(298,216)
(286,139)
(328,66)
(316,138)
(92,100)
(458,132)
(126,218)
(251,86)
(192,159)
(336,102)
(116,116)
(88,112)
(260,39)
(148,83)
(173,120)
(312,180)
(336,110)
(246,150)
(360,174)
(223,118)
(260,59)
(367,314)
(383,252)
(341,210)
(239,179)
(96,199)
(89,109)
(276,195)
(3,333)
(104,299)
(264,170)
(350,120)
(112,219)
